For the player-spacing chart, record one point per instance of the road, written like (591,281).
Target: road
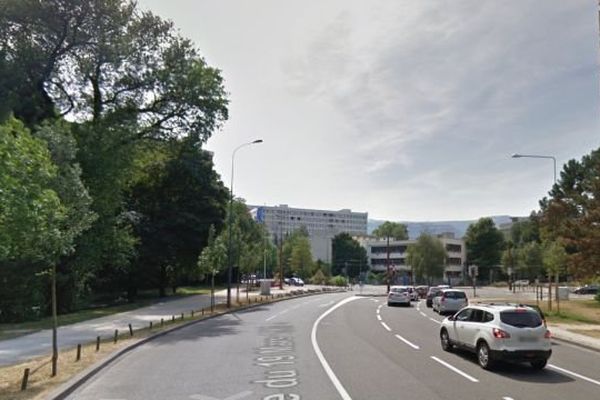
(332,346)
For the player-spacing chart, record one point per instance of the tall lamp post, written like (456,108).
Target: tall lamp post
(557,277)
(230,221)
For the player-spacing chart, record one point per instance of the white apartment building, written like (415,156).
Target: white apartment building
(322,225)
(377,255)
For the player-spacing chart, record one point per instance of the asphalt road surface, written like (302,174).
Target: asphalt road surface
(332,346)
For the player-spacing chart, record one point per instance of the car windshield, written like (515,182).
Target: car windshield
(521,318)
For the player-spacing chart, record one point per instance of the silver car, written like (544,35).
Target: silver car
(399,295)
(450,301)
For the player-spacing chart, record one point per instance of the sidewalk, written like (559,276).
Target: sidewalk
(22,348)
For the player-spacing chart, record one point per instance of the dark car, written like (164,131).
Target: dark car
(433,292)
(587,289)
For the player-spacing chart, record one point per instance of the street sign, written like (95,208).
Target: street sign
(473,270)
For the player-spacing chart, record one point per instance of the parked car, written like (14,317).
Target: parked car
(296,281)
(398,295)
(433,292)
(587,289)
(450,301)
(496,332)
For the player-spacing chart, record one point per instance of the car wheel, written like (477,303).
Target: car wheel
(483,356)
(389,304)
(539,364)
(445,340)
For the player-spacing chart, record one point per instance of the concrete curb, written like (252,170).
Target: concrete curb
(78,380)
(576,343)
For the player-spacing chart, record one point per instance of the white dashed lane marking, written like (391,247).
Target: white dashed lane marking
(414,346)
(386,327)
(575,374)
(453,368)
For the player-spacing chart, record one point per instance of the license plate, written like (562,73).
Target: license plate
(526,339)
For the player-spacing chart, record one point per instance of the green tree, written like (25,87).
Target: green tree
(301,257)
(571,215)
(426,257)
(530,263)
(125,77)
(348,255)
(31,217)
(484,244)
(176,200)
(390,230)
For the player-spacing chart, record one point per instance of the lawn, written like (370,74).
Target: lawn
(574,311)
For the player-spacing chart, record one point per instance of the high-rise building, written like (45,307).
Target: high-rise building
(321,225)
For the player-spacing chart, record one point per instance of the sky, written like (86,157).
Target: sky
(406,109)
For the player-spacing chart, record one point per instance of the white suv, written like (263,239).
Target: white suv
(495,332)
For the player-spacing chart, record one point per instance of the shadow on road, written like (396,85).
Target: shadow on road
(520,371)
(221,326)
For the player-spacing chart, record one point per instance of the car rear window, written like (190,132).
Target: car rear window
(399,290)
(521,319)
(455,295)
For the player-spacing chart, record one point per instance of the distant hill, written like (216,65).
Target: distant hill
(436,227)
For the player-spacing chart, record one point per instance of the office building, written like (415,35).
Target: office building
(321,225)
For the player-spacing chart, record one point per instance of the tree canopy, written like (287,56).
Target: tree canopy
(391,230)
(484,244)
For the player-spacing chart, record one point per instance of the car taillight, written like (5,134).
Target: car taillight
(500,334)
(547,335)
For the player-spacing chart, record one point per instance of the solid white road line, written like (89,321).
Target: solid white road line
(458,371)
(566,371)
(386,327)
(379,317)
(414,346)
(313,338)
(507,398)
(378,311)
(435,320)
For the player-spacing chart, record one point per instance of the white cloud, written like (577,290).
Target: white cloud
(406,109)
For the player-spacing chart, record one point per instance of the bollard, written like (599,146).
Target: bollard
(78,357)
(116,336)
(130,330)
(192,313)
(182,316)
(162,321)
(203,311)
(97,343)
(150,325)
(172,318)
(25,379)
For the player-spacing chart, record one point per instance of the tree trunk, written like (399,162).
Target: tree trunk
(549,292)
(162,281)
(557,279)
(54,324)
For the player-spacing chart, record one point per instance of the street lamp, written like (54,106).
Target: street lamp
(230,220)
(537,156)
(557,275)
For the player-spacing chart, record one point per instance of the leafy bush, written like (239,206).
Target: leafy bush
(338,280)
(318,278)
